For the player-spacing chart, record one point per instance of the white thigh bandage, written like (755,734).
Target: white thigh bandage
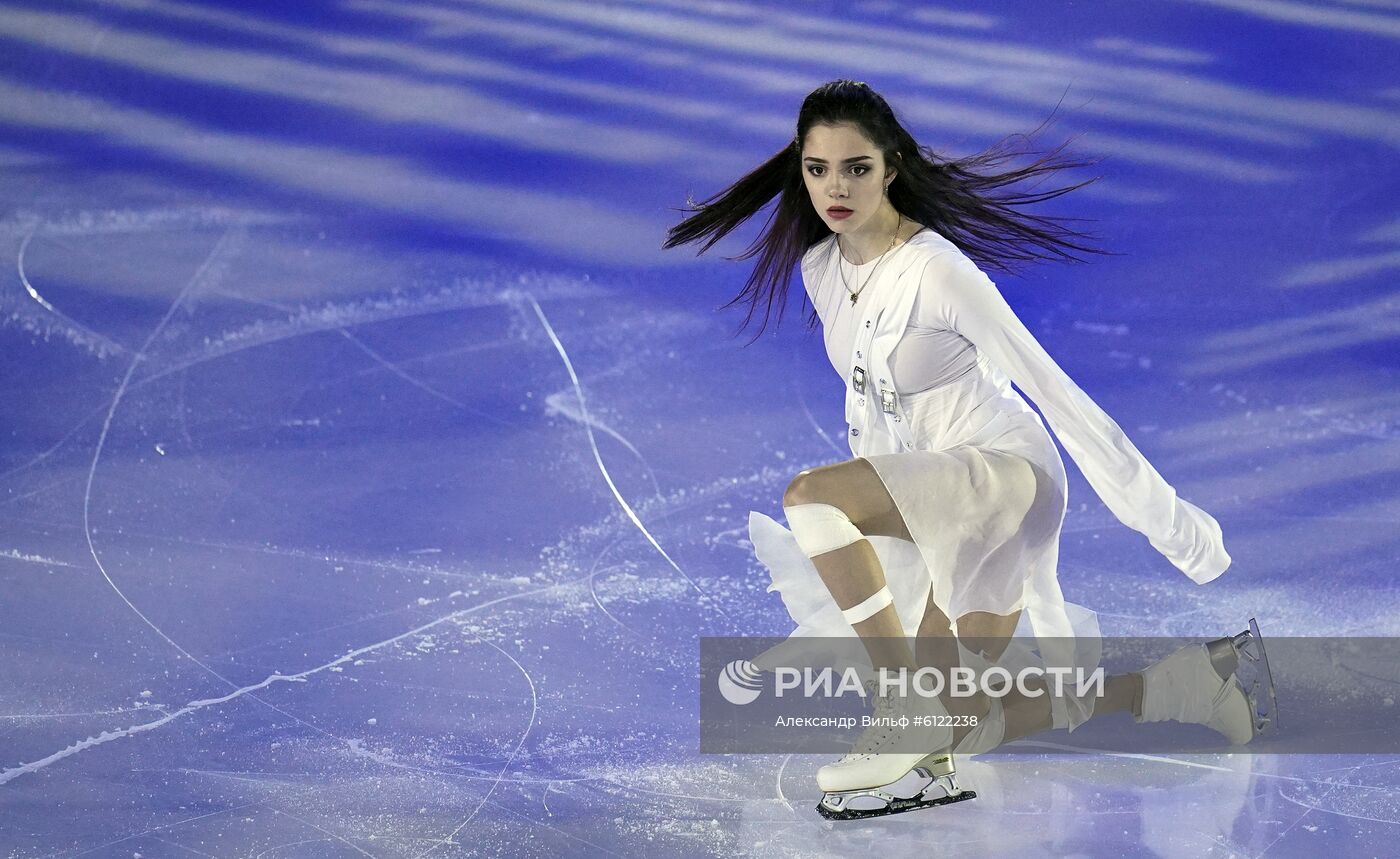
(821,528)
(874,603)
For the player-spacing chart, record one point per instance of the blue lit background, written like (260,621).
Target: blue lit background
(369,473)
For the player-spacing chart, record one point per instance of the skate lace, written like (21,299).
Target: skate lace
(873,737)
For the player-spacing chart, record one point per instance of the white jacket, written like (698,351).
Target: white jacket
(969,303)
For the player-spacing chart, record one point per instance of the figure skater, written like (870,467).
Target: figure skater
(948,459)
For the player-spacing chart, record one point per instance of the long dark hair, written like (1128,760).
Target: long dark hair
(946,195)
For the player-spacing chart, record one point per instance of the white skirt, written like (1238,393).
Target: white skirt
(983,494)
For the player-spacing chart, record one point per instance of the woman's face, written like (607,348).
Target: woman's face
(844,170)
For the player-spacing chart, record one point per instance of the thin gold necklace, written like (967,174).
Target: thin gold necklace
(844,282)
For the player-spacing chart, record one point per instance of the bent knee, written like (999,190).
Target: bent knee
(806,488)
(842,484)
(821,528)
(987,633)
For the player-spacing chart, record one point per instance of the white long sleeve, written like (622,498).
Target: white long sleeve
(965,300)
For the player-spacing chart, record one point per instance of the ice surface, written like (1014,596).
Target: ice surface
(371,474)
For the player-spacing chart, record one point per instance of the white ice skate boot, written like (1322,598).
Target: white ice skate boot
(1201,683)
(867,781)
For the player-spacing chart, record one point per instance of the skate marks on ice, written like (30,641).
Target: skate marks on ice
(17,555)
(396,368)
(229,243)
(226,246)
(526,298)
(77,332)
(17,307)
(334,316)
(124,390)
(534,710)
(350,658)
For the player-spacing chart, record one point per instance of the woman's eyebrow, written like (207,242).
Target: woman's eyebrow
(843,161)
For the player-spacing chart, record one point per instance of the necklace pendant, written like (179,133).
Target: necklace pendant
(854,296)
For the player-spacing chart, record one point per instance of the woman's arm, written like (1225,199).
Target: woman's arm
(966,300)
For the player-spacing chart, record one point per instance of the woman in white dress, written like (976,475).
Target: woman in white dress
(944,525)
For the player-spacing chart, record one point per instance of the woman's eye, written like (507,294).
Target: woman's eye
(860,167)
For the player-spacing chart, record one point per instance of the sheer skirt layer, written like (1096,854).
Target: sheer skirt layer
(983,495)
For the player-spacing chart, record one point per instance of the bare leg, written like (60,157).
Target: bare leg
(1026,716)
(990,634)
(852,573)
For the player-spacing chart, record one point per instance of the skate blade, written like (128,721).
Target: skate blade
(1268,720)
(1256,678)
(836,806)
